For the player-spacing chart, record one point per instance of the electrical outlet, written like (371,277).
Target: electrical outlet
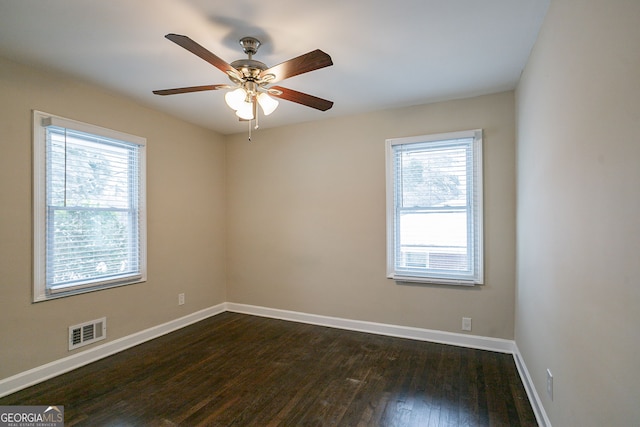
(466,323)
(550,384)
(180,299)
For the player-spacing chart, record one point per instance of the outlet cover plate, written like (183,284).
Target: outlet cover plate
(466,323)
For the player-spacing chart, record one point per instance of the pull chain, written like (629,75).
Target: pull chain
(251,122)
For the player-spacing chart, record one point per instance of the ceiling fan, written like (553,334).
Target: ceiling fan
(253,79)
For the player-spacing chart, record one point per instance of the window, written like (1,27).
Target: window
(434,208)
(89,207)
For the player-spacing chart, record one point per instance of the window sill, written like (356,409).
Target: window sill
(63,292)
(432,281)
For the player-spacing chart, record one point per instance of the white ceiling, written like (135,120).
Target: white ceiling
(386,53)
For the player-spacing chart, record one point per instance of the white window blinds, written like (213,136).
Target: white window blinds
(434,205)
(92,206)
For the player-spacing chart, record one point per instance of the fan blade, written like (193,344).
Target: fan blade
(189,89)
(302,64)
(301,98)
(203,53)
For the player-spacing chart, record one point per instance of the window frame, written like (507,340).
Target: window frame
(474,206)
(41,290)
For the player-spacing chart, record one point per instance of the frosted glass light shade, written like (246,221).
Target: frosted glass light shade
(235,98)
(245,111)
(267,103)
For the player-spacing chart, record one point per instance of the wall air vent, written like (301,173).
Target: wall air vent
(87,333)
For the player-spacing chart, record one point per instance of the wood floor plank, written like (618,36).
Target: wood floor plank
(240,370)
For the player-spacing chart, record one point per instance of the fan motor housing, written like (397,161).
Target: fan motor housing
(249,68)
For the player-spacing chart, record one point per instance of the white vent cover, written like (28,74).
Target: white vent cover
(87,333)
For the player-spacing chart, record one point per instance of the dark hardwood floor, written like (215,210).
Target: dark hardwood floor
(239,370)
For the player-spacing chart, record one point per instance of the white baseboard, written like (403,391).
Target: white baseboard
(41,373)
(532,394)
(462,340)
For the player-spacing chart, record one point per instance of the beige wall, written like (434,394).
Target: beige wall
(578,293)
(186,214)
(306,219)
